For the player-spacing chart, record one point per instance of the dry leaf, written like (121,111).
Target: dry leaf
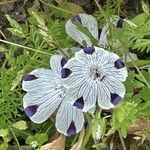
(78,144)
(57,144)
(140,127)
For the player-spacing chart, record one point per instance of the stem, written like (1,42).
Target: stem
(98,5)
(25,47)
(122,141)
(88,132)
(148,85)
(18,145)
(52,6)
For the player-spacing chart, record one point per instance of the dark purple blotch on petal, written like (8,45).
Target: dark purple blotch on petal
(119,64)
(31,110)
(75,19)
(63,61)
(89,50)
(65,72)
(79,103)
(120,23)
(29,77)
(115,98)
(72,129)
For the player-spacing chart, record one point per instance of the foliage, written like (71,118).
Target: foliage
(43,35)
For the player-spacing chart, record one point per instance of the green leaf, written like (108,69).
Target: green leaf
(4,146)
(17,29)
(4,132)
(140,19)
(39,138)
(123,131)
(21,125)
(139,63)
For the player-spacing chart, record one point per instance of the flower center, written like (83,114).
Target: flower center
(96,73)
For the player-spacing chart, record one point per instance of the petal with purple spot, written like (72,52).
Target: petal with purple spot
(31,110)
(76,18)
(69,119)
(63,61)
(120,23)
(119,64)
(79,103)
(72,129)
(115,98)
(65,72)
(56,63)
(74,32)
(29,77)
(89,50)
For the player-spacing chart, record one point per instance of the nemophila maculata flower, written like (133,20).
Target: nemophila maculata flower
(46,94)
(90,23)
(94,76)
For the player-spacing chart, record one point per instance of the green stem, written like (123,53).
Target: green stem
(148,85)
(18,145)
(52,6)
(122,141)
(87,133)
(25,47)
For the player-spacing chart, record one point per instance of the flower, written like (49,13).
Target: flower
(90,23)
(46,94)
(94,76)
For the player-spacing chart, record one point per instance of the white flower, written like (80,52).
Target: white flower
(90,23)
(94,76)
(45,94)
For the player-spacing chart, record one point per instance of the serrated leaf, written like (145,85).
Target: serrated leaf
(17,29)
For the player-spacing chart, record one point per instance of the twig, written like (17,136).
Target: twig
(25,47)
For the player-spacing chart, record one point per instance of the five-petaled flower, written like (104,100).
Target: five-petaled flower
(94,76)
(46,93)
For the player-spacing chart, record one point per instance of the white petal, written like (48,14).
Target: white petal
(66,115)
(46,79)
(91,23)
(103,37)
(56,63)
(114,86)
(104,100)
(103,41)
(87,21)
(46,103)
